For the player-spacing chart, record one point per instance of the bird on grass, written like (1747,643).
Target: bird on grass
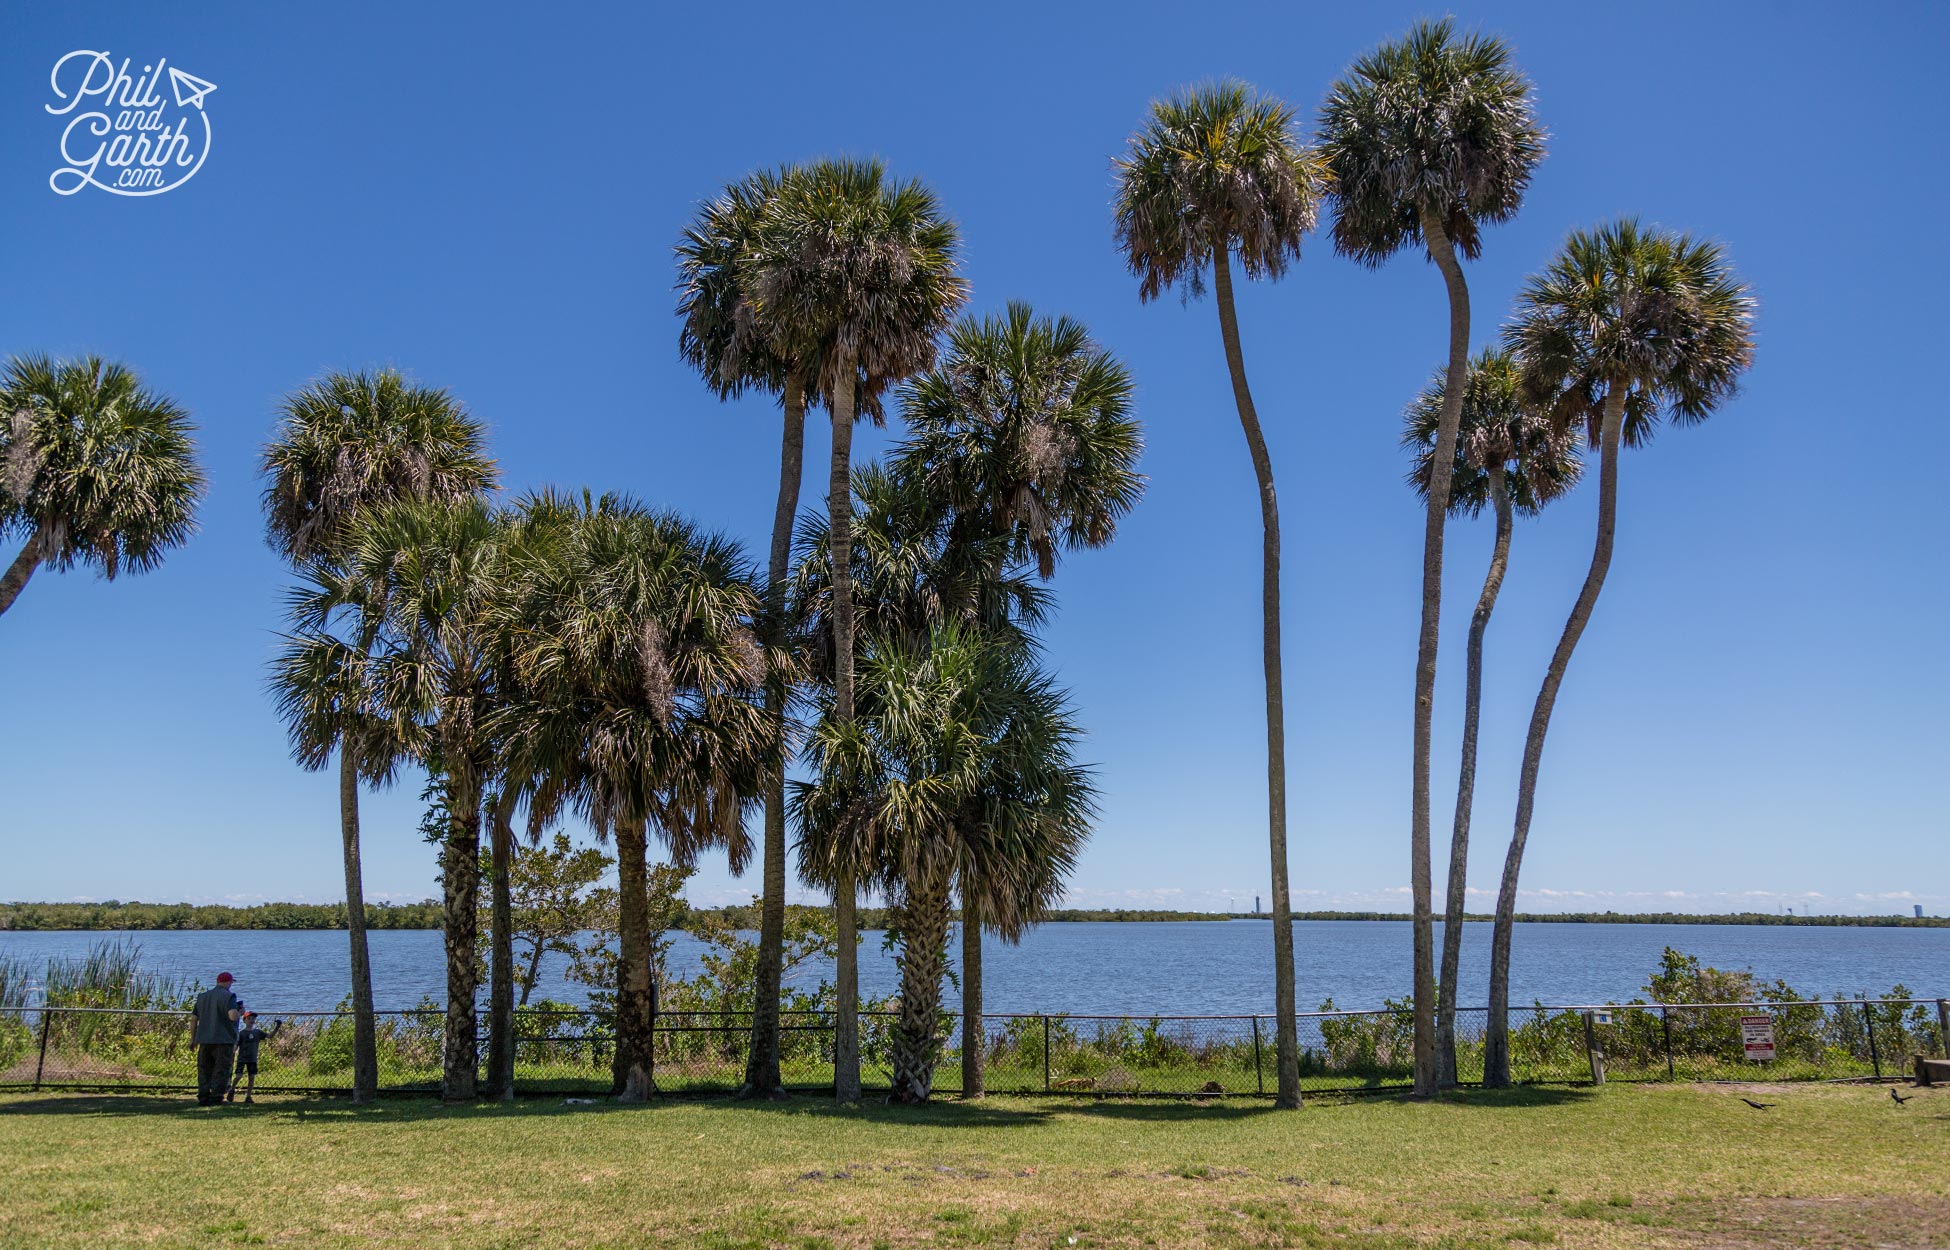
(1758,1106)
(1900,1100)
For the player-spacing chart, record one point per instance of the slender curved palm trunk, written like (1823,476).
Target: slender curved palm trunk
(1496,1056)
(365,1043)
(635,1063)
(924,957)
(534,969)
(1441,473)
(1452,916)
(974,1037)
(14,580)
(501,954)
(461,877)
(839,505)
(762,1079)
(1286,1029)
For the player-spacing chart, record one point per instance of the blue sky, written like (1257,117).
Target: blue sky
(486,196)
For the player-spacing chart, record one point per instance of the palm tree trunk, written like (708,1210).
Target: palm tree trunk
(924,957)
(1286,1034)
(762,1079)
(1452,916)
(15,579)
(1496,1055)
(839,505)
(1441,472)
(635,1026)
(974,1038)
(534,969)
(365,1042)
(461,878)
(501,955)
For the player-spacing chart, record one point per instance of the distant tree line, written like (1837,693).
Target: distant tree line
(132,915)
(426,915)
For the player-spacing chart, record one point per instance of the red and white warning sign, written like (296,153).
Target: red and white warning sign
(1757,1035)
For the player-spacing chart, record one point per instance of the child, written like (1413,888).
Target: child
(248,1036)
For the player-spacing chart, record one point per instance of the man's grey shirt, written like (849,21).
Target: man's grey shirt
(214,1027)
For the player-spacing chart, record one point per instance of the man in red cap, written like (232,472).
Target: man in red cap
(217,1011)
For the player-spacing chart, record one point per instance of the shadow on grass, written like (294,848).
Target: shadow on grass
(398,1110)
(992,1112)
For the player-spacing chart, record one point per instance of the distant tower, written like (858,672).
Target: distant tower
(1919,911)
(1255,904)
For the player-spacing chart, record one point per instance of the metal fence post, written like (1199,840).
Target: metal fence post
(1046,1054)
(1596,1060)
(47,1013)
(1665,1027)
(1943,1026)
(1259,1069)
(1869,1020)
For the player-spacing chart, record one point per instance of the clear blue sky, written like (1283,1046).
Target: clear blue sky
(486,196)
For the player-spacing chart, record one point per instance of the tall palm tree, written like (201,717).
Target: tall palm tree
(858,273)
(1513,459)
(421,576)
(1428,139)
(1627,327)
(95,469)
(345,444)
(722,340)
(962,752)
(1024,435)
(640,676)
(1218,170)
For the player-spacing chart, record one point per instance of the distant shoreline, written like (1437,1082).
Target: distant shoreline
(163,917)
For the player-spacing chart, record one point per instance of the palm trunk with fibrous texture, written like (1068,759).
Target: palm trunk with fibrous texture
(501,955)
(1441,474)
(1286,1029)
(14,580)
(839,503)
(924,957)
(1452,916)
(974,1040)
(762,1078)
(1496,1052)
(635,1063)
(461,875)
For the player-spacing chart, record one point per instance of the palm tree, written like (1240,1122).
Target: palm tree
(1218,170)
(421,576)
(1024,435)
(859,274)
(1427,139)
(348,443)
(721,339)
(962,753)
(95,469)
(1513,459)
(640,678)
(1628,326)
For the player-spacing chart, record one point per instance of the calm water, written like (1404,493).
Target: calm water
(1167,968)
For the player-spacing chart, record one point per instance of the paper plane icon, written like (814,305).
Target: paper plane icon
(190,89)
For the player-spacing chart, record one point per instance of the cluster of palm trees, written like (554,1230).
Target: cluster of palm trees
(555,654)
(832,284)
(1422,143)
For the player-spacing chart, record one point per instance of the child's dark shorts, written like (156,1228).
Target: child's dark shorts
(247,1067)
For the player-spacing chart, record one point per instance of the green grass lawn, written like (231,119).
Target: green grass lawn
(1618,1167)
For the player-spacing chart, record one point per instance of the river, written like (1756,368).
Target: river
(1124,968)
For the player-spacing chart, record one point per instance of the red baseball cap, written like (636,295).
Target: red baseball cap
(223,977)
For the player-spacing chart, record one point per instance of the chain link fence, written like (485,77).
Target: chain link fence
(570,1052)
